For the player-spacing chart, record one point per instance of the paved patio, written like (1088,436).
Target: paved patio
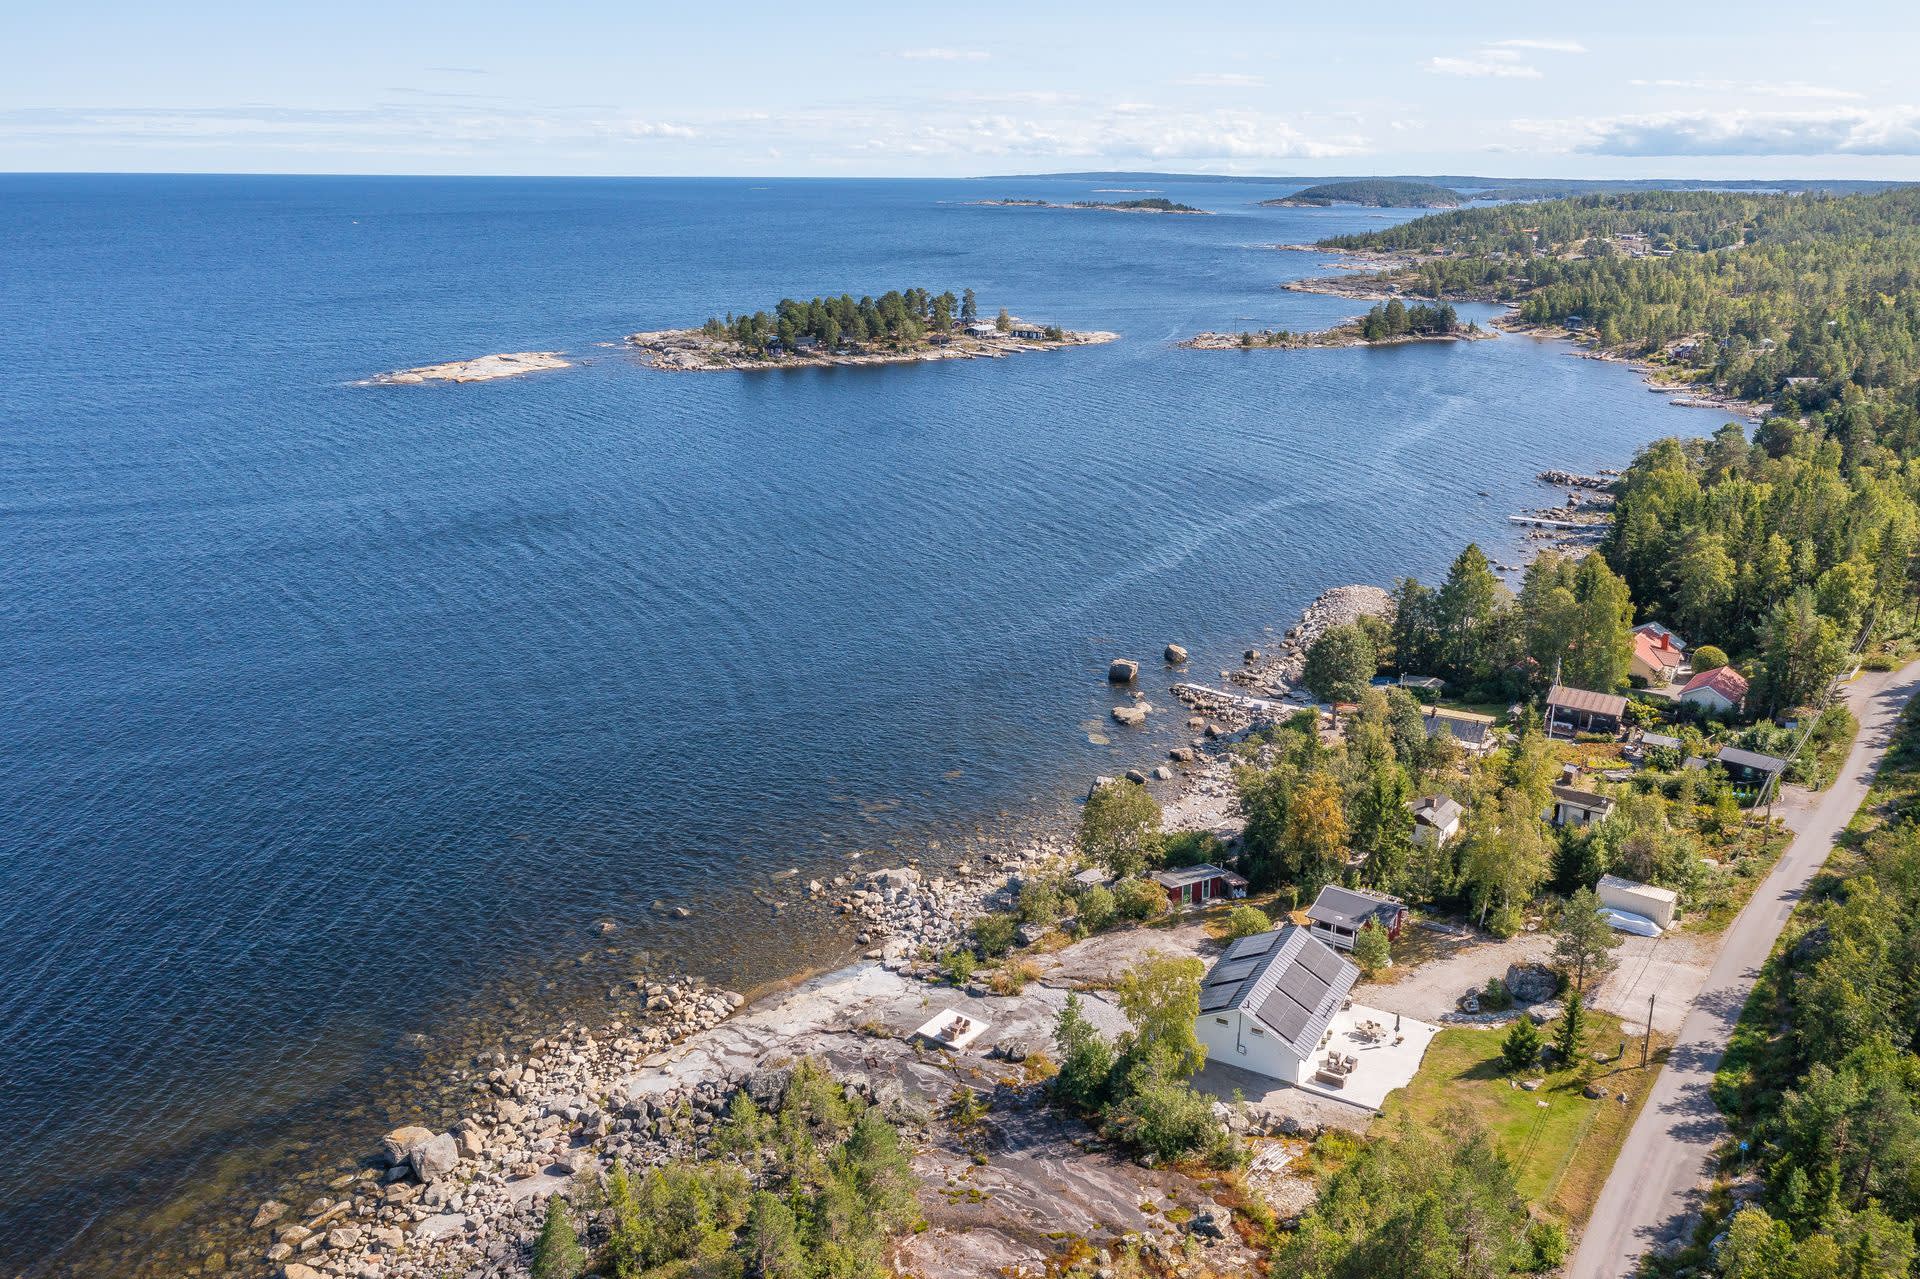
(1382,1064)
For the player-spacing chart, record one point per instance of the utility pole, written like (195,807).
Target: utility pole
(1646,1045)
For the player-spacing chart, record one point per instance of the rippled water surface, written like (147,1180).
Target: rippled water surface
(329,714)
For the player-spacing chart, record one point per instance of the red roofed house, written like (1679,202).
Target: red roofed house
(1656,657)
(1718,692)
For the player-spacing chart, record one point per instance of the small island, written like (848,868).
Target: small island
(485,368)
(899,327)
(1384,325)
(1372,193)
(1150,204)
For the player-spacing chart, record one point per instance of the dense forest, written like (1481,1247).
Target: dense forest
(1376,193)
(899,319)
(1790,550)
(1822,1077)
(1808,298)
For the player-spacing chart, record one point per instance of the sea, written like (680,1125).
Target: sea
(347,731)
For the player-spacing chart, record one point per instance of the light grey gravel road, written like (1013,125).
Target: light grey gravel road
(1654,1190)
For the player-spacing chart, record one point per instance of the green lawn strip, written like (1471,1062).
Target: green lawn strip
(1561,1151)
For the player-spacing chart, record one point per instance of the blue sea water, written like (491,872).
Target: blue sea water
(330,714)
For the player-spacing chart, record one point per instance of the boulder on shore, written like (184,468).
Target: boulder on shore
(434,1158)
(399,1144)
(1123,670)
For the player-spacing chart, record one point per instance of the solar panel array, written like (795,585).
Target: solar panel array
(1286,978)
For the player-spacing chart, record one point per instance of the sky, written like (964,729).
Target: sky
(1624,89)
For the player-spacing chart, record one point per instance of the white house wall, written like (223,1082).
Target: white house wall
(1265,1052)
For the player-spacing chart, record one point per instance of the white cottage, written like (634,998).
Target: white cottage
(1266,1003)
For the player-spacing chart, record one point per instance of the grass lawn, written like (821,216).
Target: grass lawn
(1561,1151)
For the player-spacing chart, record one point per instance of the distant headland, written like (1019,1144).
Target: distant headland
(899,327)
(1149,204)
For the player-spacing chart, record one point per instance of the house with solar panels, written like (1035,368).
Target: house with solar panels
(1268,1002)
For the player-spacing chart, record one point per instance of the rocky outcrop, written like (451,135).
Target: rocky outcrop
(1131,716)
(486,368)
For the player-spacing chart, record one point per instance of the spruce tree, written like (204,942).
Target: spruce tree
(1573,1029)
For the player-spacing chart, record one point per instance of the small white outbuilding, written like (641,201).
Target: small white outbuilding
(1656,904)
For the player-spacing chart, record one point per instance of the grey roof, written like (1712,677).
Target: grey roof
(1289,981)
(1752,759)
(1659,739)
(1468,732)
(1437,810)
(1182,876)
(1581,798)
(1353,907)
(1587,701)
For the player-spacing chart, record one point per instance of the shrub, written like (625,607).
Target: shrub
(1140,899)
(1708,658)
(993,934)
(959,964)
(557,1253)
(1495,997)
(1191,848)
(1547,1244)
(1041,901)
(1247,921)
(1169,1120)
(1012,977)
(1096,908)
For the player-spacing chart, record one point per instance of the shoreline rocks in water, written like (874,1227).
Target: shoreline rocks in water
(1273,674)
(485,368)
(694,350)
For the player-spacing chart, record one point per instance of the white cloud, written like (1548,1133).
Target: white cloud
(1888,131)
(1542,46)
(1756,88)
(945,55)
(1501,60)
(1488,65)
(1223,80)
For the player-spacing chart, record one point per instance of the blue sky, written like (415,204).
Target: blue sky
(1617,89)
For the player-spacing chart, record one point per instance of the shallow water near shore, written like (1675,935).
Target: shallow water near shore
(335,715)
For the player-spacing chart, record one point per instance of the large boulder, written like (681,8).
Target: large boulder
(434,1158)
(398,1145)
(1531,983)
(1176,655)
(767,1086)
(1132,716)
(294,1270)
(1123,670)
